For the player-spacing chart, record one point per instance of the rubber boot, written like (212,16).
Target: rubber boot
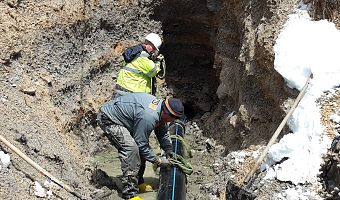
(136,198)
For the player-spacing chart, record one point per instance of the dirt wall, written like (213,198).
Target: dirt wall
(57,60)
(250,91)
(251,94)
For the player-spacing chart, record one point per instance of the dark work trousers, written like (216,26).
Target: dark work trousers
(128,153)
(119,91)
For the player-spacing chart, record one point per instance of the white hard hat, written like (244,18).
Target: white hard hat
(154,39)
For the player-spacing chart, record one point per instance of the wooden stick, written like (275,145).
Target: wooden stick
(277,132)
(40,169)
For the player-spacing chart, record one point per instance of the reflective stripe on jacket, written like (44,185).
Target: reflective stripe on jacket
(136,75)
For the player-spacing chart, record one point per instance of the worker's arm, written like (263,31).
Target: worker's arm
(141,131)
(132,52)
(163,137)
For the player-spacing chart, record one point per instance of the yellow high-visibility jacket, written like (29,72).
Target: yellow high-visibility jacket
(136,76)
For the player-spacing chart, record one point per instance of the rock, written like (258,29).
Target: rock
(204,106)
(47,79)
(100,178)
(29,91)
(101,193)
(233,120)
(210,144)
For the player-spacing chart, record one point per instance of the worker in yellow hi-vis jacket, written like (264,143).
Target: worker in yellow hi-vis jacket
(141,63)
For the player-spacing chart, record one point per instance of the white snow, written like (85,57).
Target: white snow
(303,47)
(5,159)
(335,118)
(39,190)
(297,194)
(49,194)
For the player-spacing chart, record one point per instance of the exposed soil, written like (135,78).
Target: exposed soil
(58,63)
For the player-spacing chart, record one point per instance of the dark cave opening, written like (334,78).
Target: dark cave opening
(188,47)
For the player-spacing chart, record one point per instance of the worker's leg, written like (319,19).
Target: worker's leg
(141,170)
(111,131)
(130,164)
(128,152)
(142,186)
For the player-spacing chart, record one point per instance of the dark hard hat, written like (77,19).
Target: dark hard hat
(173,107)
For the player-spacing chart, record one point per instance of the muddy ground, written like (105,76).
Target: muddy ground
(200,184)
(58,63)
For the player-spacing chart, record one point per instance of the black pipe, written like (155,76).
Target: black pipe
(173,180)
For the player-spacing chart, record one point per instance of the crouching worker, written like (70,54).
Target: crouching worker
(127,122)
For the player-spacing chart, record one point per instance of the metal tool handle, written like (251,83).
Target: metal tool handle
(277,132)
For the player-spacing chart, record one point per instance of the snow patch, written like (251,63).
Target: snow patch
(39,190)
(5,159)
(305,47)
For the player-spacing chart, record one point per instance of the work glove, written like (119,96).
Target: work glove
(154,56)
(160,57)
(170,154)
(161,63)
(163,162)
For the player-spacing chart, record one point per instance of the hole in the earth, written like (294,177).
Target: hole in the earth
(189,110)
(189,54)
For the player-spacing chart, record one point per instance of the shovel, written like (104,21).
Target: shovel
(234,191)
(40,169)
